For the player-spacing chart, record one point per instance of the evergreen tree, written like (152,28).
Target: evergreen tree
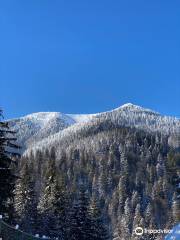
(60,201)
(26,200)
(125,226)
(8,159)
(98,228)
(137,222)
(80,222)
(53,204)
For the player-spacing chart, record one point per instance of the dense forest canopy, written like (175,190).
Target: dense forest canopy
(95,179)
(132,174)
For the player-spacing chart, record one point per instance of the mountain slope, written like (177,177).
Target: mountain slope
(127,158)
(49,127)
(34,127)
(129,170)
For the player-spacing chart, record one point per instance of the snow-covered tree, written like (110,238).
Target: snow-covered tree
(98,226)
(8,160)
(80,222)
(25,200)
(53,203)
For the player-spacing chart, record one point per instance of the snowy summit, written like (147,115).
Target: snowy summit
(43,126)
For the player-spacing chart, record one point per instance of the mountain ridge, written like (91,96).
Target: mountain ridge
(44,127)
(129,106)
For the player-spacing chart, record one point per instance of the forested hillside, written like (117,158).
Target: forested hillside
(101,182)
(46,128)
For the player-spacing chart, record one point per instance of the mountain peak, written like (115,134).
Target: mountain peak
(43,127)
(129,105)
(133,107)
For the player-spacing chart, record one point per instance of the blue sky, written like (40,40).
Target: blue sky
(89,56)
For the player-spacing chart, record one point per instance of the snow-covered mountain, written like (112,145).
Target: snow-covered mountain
(34,127)
(122,157)
(43,128)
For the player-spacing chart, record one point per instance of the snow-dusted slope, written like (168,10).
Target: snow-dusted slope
(136,116)
(44,128)
(81,118)
(37,126)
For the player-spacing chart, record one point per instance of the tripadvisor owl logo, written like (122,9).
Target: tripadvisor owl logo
(139,231)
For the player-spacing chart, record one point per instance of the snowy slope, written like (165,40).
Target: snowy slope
(136,116)
(81,118)
(45,128)
(34,127)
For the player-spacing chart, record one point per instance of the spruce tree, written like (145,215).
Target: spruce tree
(98,228)
(53,204)
(60,203)
(26,200)
(125,226)
(8,161)
(137,222)
(79,227)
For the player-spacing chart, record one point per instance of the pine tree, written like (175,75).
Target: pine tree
(60,204)
(26,200)
(98,228)
(79,226)
(53,204)
(125,225)
(137,222)
(8,160)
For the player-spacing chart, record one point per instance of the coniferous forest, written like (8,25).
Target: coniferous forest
(98,184)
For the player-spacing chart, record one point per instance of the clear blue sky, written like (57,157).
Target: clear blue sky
(80,56)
